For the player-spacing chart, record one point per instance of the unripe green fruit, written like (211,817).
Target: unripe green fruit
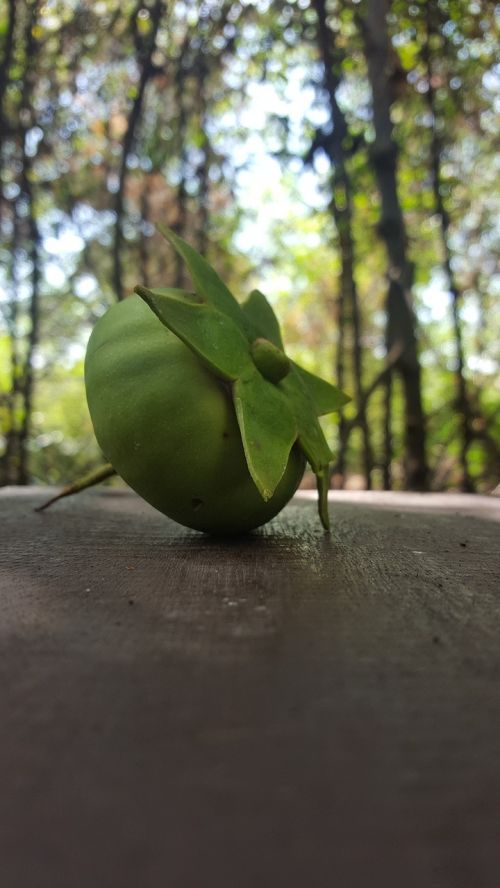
(168,426)
(196,405)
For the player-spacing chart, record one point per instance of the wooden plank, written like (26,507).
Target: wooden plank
(286,709)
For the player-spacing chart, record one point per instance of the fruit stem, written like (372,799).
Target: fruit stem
(89,480)
(322,481)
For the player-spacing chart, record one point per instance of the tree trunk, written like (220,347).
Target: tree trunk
(462,400)
(34,316)
(146,72)
(143,243)
(27,384)
(179,226)
(9,464)
(401,323)
(201,71)
(5,62)
(8,467)
(15,458)
(342,213)
(387,433)
(340,465)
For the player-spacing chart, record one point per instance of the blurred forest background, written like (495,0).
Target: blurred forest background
(340,155)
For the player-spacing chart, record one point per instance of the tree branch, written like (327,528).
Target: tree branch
(147,71)
(390,362)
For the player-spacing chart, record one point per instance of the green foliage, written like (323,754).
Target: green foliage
(230,148)
(63,444)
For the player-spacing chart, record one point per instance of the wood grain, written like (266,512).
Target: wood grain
(286,709)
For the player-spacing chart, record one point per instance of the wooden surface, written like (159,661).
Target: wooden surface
(284,710)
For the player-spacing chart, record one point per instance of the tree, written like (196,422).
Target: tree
(462,400)
(22,384)
(144,47)
(308,156)
(401,339)
(336,145)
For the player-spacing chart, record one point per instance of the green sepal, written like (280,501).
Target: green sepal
(186,295)
(206,281)
(327,397)
(311,437)
(272,411)
(323,484)
(268,429)
(209,333)
(260,313)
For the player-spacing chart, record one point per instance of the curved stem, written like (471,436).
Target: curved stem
(89,480)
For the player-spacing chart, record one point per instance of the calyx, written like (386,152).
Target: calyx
(277,403)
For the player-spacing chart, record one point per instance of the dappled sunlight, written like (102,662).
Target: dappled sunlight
(272,140)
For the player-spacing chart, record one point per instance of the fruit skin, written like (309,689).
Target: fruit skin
(169,428)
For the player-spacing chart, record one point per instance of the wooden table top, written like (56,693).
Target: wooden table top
(286,710)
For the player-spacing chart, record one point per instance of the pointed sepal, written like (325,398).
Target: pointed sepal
(323,484)
(311,438)
(206,281)
(209,333)
(185,295)
(327,398)
(268,429)
(261,315)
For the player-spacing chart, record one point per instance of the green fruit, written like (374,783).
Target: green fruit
(169,426)
(198,408)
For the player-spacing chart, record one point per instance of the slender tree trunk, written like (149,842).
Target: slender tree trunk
(341,206)
(387,433)
(401,324)
(359,392)
(8,471)
(34,316)
(146,72)
(179,225)
(7,51)
(340,465)
(462,399)
(15,460)
(202,171)
(27,384)
(9,462)
(143,243)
